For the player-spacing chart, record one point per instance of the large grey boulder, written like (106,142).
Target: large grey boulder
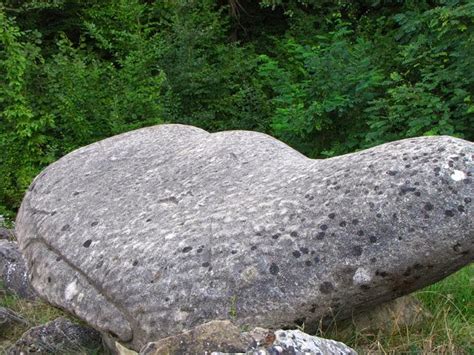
(152,232)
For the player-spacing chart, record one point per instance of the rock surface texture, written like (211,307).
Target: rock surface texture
(223,337)
(297,342)
(6,233)
(214,336)
(13,272)
(156,231)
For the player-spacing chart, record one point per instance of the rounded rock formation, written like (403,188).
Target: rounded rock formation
(153,232)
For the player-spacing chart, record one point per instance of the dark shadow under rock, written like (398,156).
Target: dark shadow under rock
(392,316)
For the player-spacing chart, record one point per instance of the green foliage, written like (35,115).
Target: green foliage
(327,77)
(319,92)
(430,92)
(212,81)
(22,137)
(390,78)
(53,104)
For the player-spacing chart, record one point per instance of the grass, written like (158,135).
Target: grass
(31,314)
(450,329)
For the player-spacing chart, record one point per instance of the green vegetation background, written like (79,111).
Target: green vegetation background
(326,76)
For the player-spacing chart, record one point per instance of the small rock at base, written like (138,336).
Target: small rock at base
(228,339)
(13,271)
(219,335)
(59,336)
(295,341)
(8,317)
(6,233)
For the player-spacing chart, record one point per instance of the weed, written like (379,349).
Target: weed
(233,307)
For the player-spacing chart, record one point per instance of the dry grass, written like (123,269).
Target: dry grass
(449,330)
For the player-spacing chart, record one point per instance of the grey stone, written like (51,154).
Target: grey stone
(223,337)
(8,317)
(59,336)
(13,272)
(153,232)
(297,342)
(6,233)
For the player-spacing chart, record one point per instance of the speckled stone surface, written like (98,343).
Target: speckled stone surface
(13,271)
(297,342)
(155,231)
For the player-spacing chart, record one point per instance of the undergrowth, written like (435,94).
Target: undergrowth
(449,329)
(31,314)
